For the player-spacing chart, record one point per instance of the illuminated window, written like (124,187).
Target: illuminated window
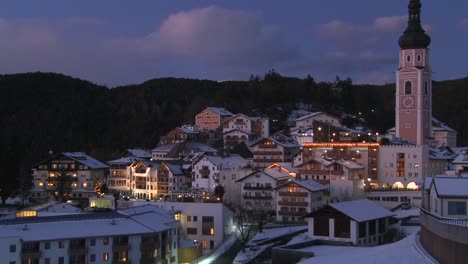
(105,256)
(177,217)
(212,231)
(204,244)
(105,241)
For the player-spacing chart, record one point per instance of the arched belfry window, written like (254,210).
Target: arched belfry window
(408,87)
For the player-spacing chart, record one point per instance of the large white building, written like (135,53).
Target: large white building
(150,237)
(207,223)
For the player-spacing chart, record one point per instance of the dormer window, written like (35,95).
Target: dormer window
(408,87)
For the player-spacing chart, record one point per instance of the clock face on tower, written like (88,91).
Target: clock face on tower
(407,102)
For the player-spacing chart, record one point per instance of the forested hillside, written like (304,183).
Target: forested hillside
(44,111)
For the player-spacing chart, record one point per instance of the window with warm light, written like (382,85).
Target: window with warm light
(177,217)
(105,257)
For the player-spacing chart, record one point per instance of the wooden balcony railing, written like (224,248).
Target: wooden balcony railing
(293,194)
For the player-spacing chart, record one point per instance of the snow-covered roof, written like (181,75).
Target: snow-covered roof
(227,162)
(139,153)
(451,186)
(310,185)
(285,165)
(441,153)
(220,111)
(81,226)
(275,173)
(283,143)
(350,164)
(362,210)
(188,130)
(164,148)
(427,183)
(308,116)
(175,168)
(124,160)
(439,126)
(461,159)
(84,159)
(236,129)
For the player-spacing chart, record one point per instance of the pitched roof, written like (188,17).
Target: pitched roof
(359,210)
(274,173)
(85,159)
(350,164)
(139,153)
(310,185)
(227,162)
(164,148)
(461,158)
(451,186)
(125,160)
(439,126)
(220,111)
(308,116)
(286,144)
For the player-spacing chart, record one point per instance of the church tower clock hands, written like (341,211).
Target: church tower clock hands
(414,81)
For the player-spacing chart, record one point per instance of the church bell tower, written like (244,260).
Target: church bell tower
(413,107)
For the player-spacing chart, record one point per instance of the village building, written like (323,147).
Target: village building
(82,173)
(358,222)
(271,150)
(296,198)
(211,118)
(257,189)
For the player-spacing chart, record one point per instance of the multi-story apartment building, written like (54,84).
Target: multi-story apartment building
(270,150)
(211,118)
(172,178)
(82,170)
(143,177)
(206,170)
(180,134)
(150,237)
(296,198)
(257,188)
(119,179)
(206,223)
(240,127)
(365,154)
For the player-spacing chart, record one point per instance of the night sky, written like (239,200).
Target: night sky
(115,42)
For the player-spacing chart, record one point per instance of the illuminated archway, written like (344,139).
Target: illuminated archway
(412,186)
(398,185)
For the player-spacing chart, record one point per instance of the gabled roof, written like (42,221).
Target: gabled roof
(220,111)
(139,153)
(308,116)
(461,159)
(274,173)
(236,129)
(350,164)
(125,160)
(85,159)
(441,153)
(450,186)
(310,185)
(175,168)
(226,162)
(188,130)
(285,166)
(164,148)
(360,210)
(439,126)
(286,144)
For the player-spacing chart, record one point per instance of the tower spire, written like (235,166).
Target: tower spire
(414,36)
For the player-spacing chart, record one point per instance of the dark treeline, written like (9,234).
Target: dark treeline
(47,111)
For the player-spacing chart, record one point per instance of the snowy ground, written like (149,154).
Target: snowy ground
(252,250)
(402,252)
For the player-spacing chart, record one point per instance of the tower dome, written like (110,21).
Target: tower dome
(414,36)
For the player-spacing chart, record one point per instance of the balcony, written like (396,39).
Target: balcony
(289,213)
(269,197)
(257,188)
(77,247)
(292,203)
(149,246)
(293,194)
